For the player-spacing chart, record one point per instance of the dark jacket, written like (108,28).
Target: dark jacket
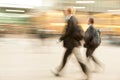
(73,34)
(89,34)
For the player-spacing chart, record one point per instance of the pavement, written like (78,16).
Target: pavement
(33,59)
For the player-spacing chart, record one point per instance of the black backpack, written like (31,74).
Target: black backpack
(96,41)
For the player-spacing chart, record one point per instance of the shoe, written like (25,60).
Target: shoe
(55,72)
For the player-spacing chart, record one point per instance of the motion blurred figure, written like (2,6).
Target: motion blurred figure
(71,41)
(92,41)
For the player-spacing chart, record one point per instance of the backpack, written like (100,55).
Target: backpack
(96,41)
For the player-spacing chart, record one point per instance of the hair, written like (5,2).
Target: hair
(71,10)
(91,20)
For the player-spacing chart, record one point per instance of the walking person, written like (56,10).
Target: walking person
(92,41)
(71,41)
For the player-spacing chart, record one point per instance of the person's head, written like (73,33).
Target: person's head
(91,21)
(69,11)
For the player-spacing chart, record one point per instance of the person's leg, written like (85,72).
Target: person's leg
(96,61)
(66,55)
(63,63)
(88,52)
(93,57)
(90,56)
(80,60)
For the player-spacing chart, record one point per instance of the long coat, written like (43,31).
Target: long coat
(73,34)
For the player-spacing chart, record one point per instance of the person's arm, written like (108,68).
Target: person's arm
(69,30)
(88,37)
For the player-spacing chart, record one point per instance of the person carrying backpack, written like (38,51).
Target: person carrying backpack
(92,41)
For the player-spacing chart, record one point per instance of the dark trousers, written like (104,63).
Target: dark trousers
(68,52)
(89,55)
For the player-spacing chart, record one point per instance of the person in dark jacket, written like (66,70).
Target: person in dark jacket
(71,41)
(89,35)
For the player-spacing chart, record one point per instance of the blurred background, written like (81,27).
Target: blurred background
(36,16)
(29,30)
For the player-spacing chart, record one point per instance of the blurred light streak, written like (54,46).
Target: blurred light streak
(85,2)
